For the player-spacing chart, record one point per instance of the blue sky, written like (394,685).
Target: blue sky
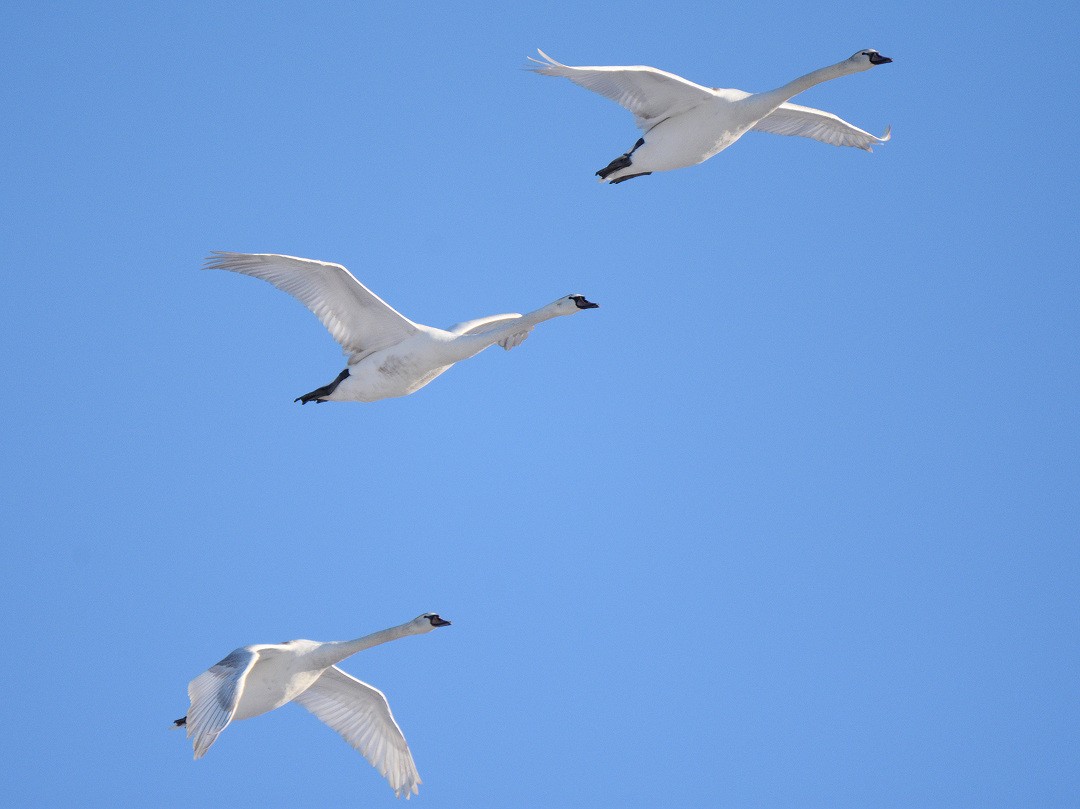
(790,521)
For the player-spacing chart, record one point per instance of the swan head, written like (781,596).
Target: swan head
(429,621)
(868,58)
(572,304)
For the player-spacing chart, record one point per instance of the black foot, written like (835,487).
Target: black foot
(620,162)
(318,394)
(180,722)
(630,177)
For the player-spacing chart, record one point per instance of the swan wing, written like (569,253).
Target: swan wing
(214,695)
(361,715)
(651,94)
(482,324)
(355,316)
(807,122)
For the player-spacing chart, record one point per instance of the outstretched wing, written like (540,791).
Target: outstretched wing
(361,714)
(214,695)
(357,318)
(807,122)
(482,324)
(651,94)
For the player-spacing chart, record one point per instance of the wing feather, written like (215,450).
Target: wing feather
(807,122)
(355,316)
(482,324)
(361,715)
(650,94)
(214,695)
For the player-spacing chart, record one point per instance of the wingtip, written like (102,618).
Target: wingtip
(216,259)
(547,62)
(887,135)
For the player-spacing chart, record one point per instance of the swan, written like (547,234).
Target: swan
(259,678)
(389,355)
(685,124)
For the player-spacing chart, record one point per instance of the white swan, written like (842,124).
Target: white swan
(389,355)
(685,124)
(255,679)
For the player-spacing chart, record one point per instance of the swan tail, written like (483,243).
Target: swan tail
(319,394)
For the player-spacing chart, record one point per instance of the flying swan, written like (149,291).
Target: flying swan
(685,124)
(255,679)
(389,355)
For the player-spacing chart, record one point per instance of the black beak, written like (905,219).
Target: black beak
(437,621)
(878,59)
(581,303)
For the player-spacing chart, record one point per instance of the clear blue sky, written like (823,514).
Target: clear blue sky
(791,521)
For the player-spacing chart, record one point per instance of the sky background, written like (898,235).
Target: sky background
(790,521)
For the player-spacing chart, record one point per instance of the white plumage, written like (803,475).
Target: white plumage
(256,679)
(388,354)
(360,714)
(686,123)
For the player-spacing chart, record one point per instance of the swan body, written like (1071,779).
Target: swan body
(388,354)
(253,680)
(685,123)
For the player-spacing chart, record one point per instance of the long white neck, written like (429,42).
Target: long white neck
(774,98)
(335,651)
(470,344)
